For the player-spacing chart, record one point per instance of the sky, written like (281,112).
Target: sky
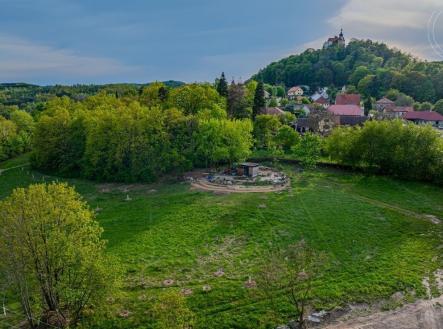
(109,41)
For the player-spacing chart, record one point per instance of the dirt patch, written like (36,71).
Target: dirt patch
(206,186)
(426,314)
(266,180)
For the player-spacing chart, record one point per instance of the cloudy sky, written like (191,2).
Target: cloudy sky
(101,41)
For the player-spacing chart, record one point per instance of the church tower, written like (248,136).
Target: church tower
(341,39)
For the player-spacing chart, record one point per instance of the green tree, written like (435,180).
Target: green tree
(23,120)
(266,128)
(259,100)
(287,138)
(194,98)
(237,102)
(220,141)
(438,107)
(308,151)
(222,86)
(52,253)
(404,100)
(426,106)
(8,134)
(163,93)
(153,95)
(359,73)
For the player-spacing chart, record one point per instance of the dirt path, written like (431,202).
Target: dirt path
(424,314)
(204,186)
(16,167)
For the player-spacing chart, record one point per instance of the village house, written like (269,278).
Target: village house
(434,119)
(346,110)
(398,112)
(321,97)
(295,92)
(272,111)
(348,99)
(384,104)
(347,115)
(299,109)
(323,102)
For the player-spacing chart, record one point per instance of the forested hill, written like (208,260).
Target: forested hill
(373,68)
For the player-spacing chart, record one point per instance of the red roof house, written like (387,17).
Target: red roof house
(348,99)
(322,101)
(384,104)
(348,110)
(425,117)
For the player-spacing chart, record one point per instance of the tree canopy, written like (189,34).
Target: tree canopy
(52,253)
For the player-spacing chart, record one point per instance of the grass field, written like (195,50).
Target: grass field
(373,229)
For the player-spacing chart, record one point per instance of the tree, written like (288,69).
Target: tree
(52,253)
(292,271)
(404,100)
(222,86)
(266,128)
(308,151)
(392,94)
(8,133)
(237,102)
(426,106)
(438,107)
(259,100)
(153,95)
(359,73)
(163,93)
(250,87)
(287,138)
(368,105)
(320,120)
(195,98)
(368,86)
(23,120)
(219,141)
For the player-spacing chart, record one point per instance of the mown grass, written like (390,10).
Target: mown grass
(370,228)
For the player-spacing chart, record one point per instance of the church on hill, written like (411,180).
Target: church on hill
(335,41)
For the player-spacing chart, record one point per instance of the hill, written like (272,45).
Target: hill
(372,68)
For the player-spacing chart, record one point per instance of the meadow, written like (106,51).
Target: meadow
(376,232)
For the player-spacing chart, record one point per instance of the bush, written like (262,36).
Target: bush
(171,312)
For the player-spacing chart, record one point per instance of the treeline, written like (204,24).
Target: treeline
(369,67)
(402,150)
(32,98)
(118,139)
(15,134)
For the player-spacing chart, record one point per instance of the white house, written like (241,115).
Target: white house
(295,92)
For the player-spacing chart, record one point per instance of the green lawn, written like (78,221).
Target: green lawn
(371,228)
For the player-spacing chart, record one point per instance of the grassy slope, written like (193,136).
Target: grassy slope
(367,226)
